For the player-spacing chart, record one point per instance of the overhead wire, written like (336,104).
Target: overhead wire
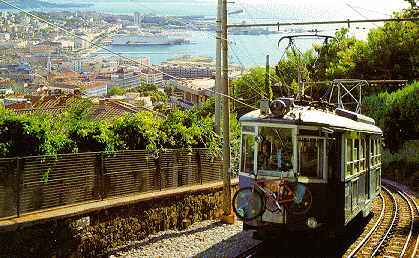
(186,25)
(361,14)
(269,40)
(258,89)
(247,12)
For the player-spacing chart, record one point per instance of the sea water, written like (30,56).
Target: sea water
(249,50)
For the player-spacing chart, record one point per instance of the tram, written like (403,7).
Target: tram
(333,151)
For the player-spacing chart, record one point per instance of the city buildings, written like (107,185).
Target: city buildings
(37,59)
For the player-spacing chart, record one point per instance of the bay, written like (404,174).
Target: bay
(249,50)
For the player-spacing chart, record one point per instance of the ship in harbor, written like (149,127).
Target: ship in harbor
(147,40)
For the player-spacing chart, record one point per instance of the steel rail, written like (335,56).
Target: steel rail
(417,239)
(359,246)
(250,252)
(391,224)
(407,198)
(412,218)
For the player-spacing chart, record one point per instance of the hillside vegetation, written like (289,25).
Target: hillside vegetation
(397,114)
(74,132)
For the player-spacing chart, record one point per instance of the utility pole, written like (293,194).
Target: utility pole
(227,215)
(217,114)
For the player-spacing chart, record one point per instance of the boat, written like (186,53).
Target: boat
(141,40)
(146,40)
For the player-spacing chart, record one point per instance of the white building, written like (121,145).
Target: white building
(152,77)
(97,89)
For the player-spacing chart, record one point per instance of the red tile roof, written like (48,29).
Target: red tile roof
(94,84)
(56,105)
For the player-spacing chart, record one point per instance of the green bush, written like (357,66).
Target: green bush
(396,114)
(17,137)
(402,166)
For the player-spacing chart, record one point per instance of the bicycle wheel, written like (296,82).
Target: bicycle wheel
(248,204)
(302,200)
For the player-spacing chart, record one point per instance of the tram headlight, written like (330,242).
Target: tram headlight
(278,108)
(311,222)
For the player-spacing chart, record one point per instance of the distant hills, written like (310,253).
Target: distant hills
(35,4)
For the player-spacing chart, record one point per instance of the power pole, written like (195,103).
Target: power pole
(227,215)
(217,111)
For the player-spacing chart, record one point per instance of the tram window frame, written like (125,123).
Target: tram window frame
(285,141)
(375,154)
(362,159)
(355,156)
(251,148)
(349,157)
(320,147)
(355,194)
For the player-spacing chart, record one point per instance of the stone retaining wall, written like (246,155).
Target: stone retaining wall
(97,232)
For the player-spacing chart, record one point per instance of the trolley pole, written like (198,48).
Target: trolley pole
(227,216)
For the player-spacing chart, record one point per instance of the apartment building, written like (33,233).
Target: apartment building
(97,89)
(143,62)
(189,68)
(193,92)
(152,77)
(172,71)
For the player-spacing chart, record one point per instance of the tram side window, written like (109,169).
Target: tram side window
(379,151)
(375,155)
(355,156)
(248,150)
(362,154)
(311,157)
(349,157)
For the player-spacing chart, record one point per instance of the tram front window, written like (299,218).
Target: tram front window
(275,149)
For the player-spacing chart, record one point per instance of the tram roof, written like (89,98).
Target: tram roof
(311,117)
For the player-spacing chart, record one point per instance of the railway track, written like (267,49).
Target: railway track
(391,232)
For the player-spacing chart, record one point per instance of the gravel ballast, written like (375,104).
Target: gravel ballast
(208,238)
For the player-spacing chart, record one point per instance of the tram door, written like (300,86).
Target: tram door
(335,184)
(368,173)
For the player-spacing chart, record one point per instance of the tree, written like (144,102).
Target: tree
(116,91)
(156,96)
(249,89)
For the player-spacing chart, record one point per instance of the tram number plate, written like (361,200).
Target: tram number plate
(274,186)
